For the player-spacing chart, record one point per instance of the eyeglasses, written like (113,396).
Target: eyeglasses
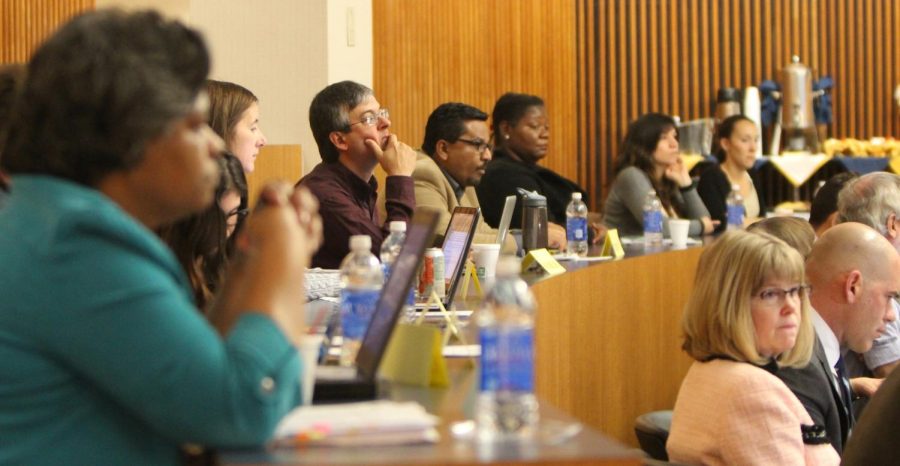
(237,212)
(480,146)
(371,118)
(777,296)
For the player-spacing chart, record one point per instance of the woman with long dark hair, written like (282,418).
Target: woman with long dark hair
(201,241)
(650,160)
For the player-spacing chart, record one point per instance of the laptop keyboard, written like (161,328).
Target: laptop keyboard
(322,283)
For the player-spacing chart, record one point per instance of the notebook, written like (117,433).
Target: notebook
(503,228)
(457,241)
(334,384)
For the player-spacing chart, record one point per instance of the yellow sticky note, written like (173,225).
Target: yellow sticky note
(612,245)
(542,260)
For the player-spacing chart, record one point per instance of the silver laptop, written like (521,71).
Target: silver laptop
(503,229)
(457,241)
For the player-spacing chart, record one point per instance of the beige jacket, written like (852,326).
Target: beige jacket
(434,191)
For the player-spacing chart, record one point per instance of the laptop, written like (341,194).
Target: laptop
(336,384)
(457,241)
(503,228)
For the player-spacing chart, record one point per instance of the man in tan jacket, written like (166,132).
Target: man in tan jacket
(457,144)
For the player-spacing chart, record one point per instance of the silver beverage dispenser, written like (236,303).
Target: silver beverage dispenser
(798,123)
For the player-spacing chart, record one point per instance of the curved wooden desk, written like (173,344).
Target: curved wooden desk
(608,338)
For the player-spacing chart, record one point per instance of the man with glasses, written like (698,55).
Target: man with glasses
(458,148)
(854,274)
(353,133)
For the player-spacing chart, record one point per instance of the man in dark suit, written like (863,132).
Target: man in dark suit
(855,276)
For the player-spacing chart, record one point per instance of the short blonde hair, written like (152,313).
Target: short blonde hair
(717,320)
(798,234)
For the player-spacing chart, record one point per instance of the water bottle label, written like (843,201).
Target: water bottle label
(507,360)
(576,229)
(652,221)
(357,307)
(735,215)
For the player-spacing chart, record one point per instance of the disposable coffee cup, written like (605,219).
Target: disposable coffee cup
(678,231)
(310,345)
(485,258)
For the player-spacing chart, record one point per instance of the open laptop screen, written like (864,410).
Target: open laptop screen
(457,241)
(503,228)
(419,234)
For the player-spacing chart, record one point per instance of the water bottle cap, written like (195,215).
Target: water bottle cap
(532,198)
(397,226)
(576,196)
(508,265)
(358,242)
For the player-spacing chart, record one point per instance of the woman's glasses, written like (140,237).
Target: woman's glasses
(777,296)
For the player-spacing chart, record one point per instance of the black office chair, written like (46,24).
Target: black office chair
(652,431)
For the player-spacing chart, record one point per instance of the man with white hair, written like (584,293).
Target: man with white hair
(874,200)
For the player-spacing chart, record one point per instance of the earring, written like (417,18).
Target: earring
(505,136)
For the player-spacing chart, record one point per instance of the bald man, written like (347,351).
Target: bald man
(855,275)
(874,200)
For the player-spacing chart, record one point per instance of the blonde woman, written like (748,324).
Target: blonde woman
(747,316)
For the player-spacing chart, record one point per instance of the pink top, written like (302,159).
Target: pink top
(733,413)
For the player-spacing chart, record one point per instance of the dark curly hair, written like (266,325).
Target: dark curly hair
(99,90)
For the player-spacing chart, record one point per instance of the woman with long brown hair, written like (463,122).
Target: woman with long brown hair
(650,159)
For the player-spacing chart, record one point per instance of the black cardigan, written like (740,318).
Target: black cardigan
(714,188)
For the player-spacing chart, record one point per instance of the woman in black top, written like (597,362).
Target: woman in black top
(522,133)
(736,143)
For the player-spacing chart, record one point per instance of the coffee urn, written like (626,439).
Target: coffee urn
(798,124)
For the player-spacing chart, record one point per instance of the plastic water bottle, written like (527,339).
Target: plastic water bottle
(391,246)
(653,218)
(390,250)
(506,406)
(361,280)
(576,227)
(735,208)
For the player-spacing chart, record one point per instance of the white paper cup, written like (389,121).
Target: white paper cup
(678,231)
(310,345)
(485,258)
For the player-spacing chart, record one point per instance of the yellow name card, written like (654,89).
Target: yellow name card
(540,260)
(612,245)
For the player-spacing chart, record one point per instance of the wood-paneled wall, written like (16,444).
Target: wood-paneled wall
(25,23)
(427,52)
(275,163)
(671,56)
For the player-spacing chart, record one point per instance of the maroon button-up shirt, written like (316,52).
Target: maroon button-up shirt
(347,205)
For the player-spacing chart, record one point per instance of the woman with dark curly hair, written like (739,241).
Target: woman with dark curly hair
(103,353)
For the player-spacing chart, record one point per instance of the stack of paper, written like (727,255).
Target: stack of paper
(367,423)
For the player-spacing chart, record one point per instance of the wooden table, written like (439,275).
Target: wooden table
(588,447)
(608,337)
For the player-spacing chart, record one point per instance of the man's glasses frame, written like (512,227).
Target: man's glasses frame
(371,118)
(480,146)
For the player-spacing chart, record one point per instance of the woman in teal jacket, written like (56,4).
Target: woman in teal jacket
(105,359)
